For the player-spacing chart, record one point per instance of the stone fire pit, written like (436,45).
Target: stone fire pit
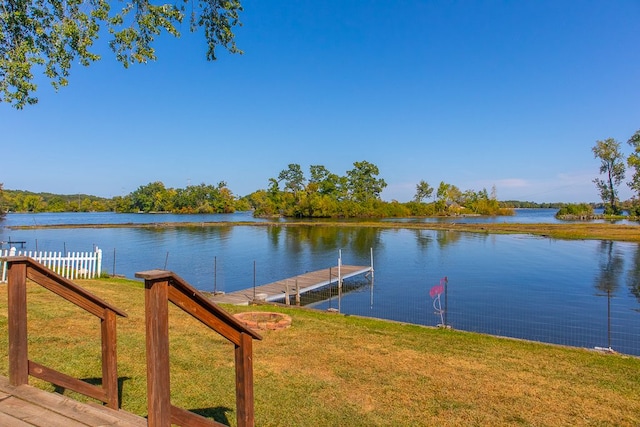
(264,320)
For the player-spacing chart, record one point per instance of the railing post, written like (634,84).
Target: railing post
(244,381)
(17,325)
(109,358)
(157,327)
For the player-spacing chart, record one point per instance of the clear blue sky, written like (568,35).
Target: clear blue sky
(474,93)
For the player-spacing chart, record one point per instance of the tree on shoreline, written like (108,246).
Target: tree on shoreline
(611,164)
(633,161)
(50,35)
(3,210)
(423,191)
(362,182)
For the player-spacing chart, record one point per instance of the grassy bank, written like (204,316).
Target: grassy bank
(334,370)
(570,230)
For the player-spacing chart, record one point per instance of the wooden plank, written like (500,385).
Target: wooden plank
(206,304)
(124,418)
(36,415)
(7,420)
(37,270)
(182,417)
(71,410)
(195,310)
(62,289)
(58,378)
(306,282)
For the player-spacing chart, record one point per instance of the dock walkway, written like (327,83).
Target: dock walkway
(27,406)
(305,282)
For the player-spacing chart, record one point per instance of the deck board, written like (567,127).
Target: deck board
(29,406)
(276,290)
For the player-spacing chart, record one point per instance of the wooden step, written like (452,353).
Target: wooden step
(25,405)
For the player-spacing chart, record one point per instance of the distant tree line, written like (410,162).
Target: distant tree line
(322,194)
(3,209)
(26,201)
(202,198)
(520,204)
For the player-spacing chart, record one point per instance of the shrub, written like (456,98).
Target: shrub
(575,211)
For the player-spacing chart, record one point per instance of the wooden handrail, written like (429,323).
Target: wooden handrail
(21,268)
(163,286)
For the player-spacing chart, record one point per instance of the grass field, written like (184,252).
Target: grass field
(334,370)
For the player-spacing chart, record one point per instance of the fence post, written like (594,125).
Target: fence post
(99,262)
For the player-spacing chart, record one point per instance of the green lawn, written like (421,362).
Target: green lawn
(334,370)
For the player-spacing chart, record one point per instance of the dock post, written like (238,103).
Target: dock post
(371,249)
(339,283)
(286,293)
(297,294)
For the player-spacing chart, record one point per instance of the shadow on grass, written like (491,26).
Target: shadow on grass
(97,382)
(218,414)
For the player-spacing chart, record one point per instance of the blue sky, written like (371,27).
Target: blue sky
(474,93)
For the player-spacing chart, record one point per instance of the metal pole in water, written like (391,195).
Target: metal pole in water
(114,261)
(446,286)
(330,293)
(609,318)
(165,260)
(371,249)
(254,280)
(339,283)
(215,275)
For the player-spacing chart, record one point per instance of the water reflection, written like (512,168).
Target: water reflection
(633,275)
(423,239)
(315,239)
(514,285)
(447,237)
(611,269)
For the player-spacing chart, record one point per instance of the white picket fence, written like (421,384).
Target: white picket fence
(73,265)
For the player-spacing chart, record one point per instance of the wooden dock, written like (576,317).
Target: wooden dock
(299,284)
(27,406)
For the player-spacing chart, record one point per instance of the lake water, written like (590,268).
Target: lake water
(578,293)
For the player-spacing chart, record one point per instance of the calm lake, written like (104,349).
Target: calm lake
(578,293)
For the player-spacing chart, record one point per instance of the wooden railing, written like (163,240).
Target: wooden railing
(163,286)
(20,269)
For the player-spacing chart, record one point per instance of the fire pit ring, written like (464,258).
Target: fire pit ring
(264,320)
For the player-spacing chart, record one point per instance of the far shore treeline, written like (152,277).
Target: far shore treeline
(320,195)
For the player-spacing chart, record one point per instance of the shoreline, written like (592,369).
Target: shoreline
(578,231)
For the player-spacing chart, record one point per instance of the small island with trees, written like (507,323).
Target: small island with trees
(291,195)
(357,194)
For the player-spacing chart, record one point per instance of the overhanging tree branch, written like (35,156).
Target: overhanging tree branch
(52,34)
